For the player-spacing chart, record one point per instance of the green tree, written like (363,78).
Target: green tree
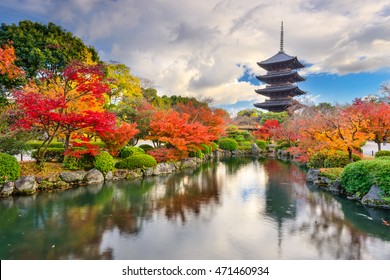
(44,47)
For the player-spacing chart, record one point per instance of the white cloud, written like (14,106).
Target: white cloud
(194,47)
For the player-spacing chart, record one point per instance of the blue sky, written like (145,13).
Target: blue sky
(209,48)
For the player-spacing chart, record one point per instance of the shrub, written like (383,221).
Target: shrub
(137,161)
(261,144)
(9,168)
(214,146)
(330,159)
(51,154)
(383,158)
(358,177)
(146,147)
(72,163)
(331,173)
(131,151)
(382,154)
(104,162)
(206,149)
(228,144)
(245,146)
(197,153)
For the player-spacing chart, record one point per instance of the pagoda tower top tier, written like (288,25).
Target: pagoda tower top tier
(281,79)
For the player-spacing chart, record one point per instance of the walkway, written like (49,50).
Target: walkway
(371,148)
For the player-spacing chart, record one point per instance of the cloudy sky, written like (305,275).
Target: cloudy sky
(209,48)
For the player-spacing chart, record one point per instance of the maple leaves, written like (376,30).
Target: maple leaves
(7,63)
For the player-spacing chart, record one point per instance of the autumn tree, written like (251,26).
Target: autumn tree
(63,105)
(265,131)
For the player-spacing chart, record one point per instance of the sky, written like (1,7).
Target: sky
(210,48)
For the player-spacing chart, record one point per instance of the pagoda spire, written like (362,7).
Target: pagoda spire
(281,38)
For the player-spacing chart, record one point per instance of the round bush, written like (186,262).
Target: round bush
(137,161)
(197,153)
(261,144)
(9,168)
(228,144)
(131,151)
(72,163)
(358,177)
(206,149)
(382,154)
(104,162)
(330,159)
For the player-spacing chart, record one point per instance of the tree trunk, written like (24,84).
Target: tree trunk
(350,155)
(67,141)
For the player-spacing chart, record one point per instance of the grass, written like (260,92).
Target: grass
(30,168)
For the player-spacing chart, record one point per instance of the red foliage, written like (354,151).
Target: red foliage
(167,154)
(117,137)
(265,131)
(80,146)
(171,128)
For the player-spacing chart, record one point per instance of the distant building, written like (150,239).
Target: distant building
(281,79)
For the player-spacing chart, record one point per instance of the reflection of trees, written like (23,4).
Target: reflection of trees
(71,224)
(187,192)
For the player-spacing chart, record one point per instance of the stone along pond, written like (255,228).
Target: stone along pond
(237,208)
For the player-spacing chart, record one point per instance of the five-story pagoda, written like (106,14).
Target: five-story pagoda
(281,79)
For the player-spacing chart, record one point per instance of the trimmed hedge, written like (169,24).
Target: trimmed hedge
(382,154)
(104,162)
(131,151)
(9,168)
(261,144)
(228,144)
(358,177)
(137,161)
(325,159)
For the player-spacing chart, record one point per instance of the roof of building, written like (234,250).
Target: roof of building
(290,76)
(289,90)
(281,58)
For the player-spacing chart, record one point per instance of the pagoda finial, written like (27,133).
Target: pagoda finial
(281,38)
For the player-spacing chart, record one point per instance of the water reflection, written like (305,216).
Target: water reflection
(231,209)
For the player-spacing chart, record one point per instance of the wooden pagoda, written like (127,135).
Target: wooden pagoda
(281,79)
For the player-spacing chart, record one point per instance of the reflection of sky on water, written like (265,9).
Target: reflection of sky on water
(236,209)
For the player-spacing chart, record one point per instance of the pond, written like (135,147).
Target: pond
(236,208)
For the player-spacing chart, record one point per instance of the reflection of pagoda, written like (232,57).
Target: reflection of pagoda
(280,79)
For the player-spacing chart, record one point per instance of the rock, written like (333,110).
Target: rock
(336,187)
(375,198)
(109,176)
(93,176)
(120,174)
(255,149)
(164,168)
(73,177)
(312,175)
(26,185)
(53,178)
(188,163)
(7,189)
(133,174)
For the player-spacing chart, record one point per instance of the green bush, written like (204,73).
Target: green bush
(358,177)
(197,153)
(72,163)
(104,162)
(245,146)
(214,146)
(331,173)
(228,144)
(137,161)
(51,154)
(206,149)
(330,160)
(9,168)
(36,144)
(261,144)
(382,154)
(131,151)
(146,147)
(383,158)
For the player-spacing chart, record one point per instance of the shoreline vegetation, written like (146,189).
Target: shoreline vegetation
(58,178)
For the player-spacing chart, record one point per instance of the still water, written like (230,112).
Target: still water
(236,208)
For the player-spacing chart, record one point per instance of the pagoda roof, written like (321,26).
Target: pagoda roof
(291,90)
(281,58)
(291,76)
(275,105)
